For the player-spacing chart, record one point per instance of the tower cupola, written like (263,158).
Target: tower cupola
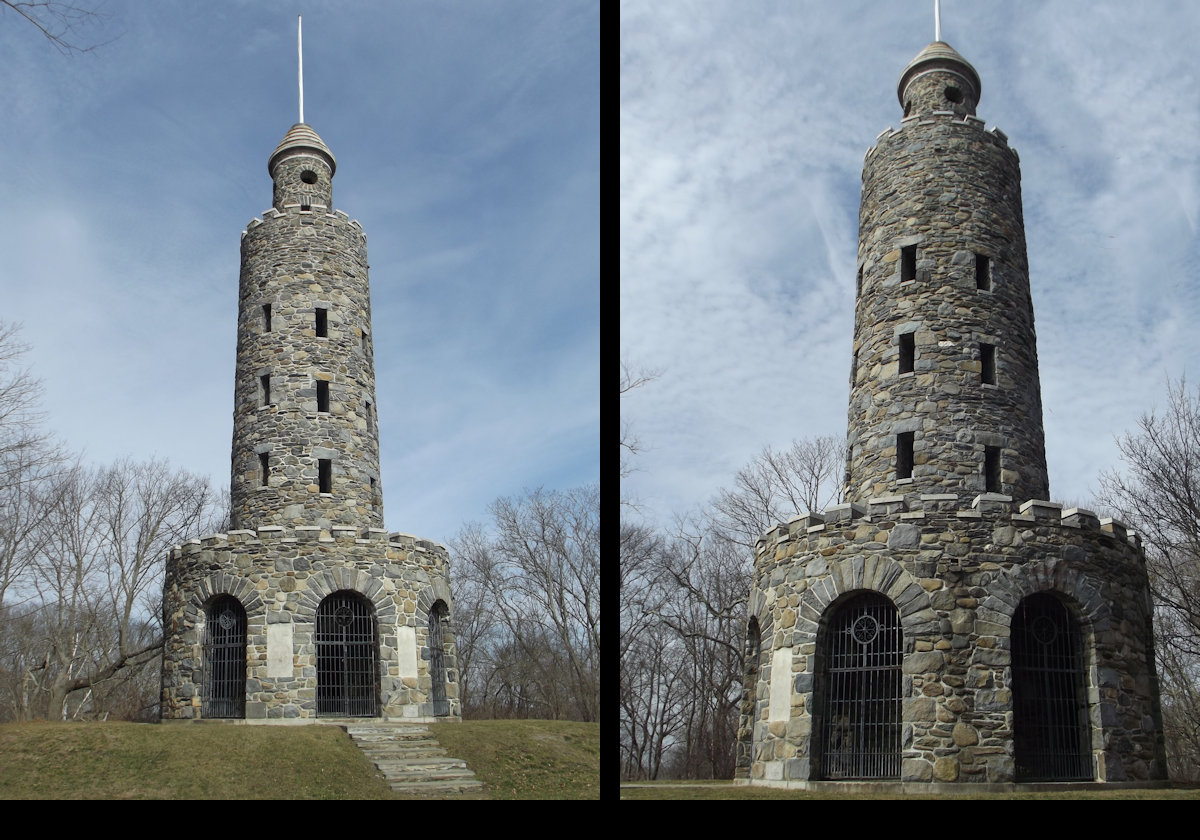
(939,79)
(302,168)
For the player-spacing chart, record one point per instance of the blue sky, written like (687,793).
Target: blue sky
(467,141)
(743,130)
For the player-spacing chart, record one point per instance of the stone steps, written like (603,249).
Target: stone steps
(410,758)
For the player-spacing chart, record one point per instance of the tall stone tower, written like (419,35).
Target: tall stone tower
(947,624)
(307,608)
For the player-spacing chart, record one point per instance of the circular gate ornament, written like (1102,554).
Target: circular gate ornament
(865,629)
(1044,629)
(343,616)
(227,619)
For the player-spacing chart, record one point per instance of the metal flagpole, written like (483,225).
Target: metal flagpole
(300,54)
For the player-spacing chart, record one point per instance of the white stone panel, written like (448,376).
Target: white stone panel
(279,650)
(781,684)
(406,650)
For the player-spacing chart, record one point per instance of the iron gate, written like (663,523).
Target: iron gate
(860,713)
(347,657)
(224,681)
(1050,722)
(437,659)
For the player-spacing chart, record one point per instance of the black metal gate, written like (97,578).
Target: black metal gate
(224,681)
(437,659)
(860,717)
(347,657)
(1050,715)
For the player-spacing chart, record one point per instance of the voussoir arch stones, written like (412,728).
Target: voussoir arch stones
(1046,575)
(222,583)
(871,573)
(324,583)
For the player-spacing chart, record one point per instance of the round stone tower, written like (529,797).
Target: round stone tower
(307,608)
(947,624)
(305,439)
(944,393)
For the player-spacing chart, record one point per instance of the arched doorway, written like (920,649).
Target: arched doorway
(1050,716)
(859,719)
(224,685)
(347,657)
(438,615)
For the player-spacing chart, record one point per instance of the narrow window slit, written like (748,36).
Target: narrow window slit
(322,323)
(325,474)
(322,395)
(908,352)
(904,455)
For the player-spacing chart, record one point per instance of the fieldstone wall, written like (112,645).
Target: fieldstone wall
(950,189)
(297,261)
(280,575)
(956,577)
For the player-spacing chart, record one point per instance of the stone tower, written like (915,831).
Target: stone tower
(307,608)
(947,624)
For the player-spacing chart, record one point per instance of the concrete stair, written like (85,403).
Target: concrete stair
(410,758)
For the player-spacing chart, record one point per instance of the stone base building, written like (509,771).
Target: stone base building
(308,607)
(947,624)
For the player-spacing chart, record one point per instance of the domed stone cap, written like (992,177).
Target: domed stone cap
(939,56)
(301,137)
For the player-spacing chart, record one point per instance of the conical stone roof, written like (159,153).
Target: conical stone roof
(939,56)
(301,137)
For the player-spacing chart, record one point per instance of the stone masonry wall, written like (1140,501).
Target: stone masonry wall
(280,575)
(956,577)
(297,261)
(950,189)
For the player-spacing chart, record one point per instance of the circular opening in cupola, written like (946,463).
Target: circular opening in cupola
(308,176)
(954,94)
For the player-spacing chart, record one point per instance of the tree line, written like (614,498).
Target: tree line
(82,551)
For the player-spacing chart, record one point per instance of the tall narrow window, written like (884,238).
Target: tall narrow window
(364,341)
(374,498)
(265,381)
(991,469)
(264,465)
(908,352)
(983,273)
(325,474)
(987,364)
(322,395)
(904,455)
(858,283)
(266,317)
(322,323)
(908,263)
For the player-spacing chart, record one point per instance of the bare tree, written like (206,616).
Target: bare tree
(98,578)
(540,571)
(1158,494)
(61,23)
(631,380)
(777,485)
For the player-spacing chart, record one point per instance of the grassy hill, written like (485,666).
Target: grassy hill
(515,759)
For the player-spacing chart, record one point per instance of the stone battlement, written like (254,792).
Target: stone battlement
(939,117)
(346,534)
(936,514)
(289,209)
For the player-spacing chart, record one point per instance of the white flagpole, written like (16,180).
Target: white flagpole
(300,53)
(937,20)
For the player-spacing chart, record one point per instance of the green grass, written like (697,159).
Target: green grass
(728,790)
(514,760)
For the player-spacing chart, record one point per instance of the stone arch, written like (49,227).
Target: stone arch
(435,604)
(212,587)
(346,640)
(748,712)
(1081,594)
(223,677)
(324,583)
(867,572)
